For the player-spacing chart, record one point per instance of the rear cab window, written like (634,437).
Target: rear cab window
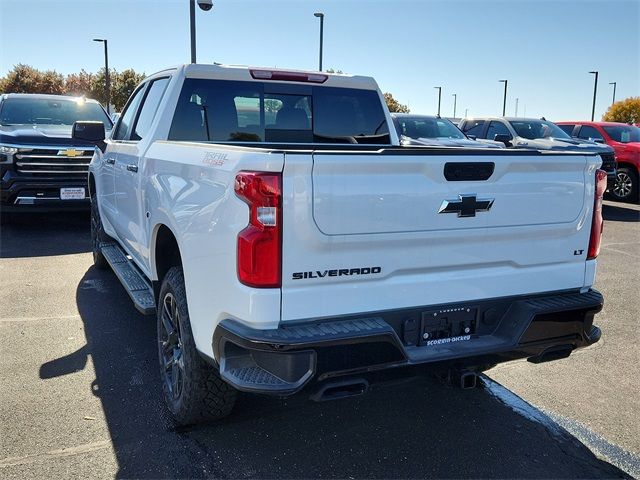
(238,111)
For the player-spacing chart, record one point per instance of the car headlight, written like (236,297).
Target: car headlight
(6,153)
(7,150)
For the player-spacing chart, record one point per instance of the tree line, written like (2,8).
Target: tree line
(26,79)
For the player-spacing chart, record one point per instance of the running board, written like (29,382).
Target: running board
(132,280)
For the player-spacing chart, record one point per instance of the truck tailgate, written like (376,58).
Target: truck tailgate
(383,230)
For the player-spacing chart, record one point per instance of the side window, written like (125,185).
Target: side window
(497,128)
(589,133)
(126,119)
(149,108)
(568,129)
(473,127)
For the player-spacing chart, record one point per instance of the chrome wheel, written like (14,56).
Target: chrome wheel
(623,186)
(171,348)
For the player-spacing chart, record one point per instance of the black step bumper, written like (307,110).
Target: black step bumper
(282,361)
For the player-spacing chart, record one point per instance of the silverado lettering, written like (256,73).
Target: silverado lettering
(336,272)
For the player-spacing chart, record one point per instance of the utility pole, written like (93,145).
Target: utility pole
(517,99)
(504,101)
(107,80)
(614,92)
(205,5)
(439,98)
(320,15)
(595,91)
(455,103)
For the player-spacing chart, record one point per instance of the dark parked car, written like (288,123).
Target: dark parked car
(41,166)
(625,140)
(433,131)
(538,134)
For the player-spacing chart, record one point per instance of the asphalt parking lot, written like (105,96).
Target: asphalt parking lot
(80,391)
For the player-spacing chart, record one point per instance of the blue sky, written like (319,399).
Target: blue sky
(544,48)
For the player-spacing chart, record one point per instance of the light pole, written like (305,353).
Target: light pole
(504,101)
(107,80)
(439,98)
(205,5)
(455,103)
(320,15)
(614,92)
(595,90)
(517,100)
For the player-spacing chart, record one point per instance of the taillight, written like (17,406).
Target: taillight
(597,223)
(259,244)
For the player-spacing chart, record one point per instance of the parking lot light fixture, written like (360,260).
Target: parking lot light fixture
(320,15)
(614,92)
(595,91)
(504,100)
(439,98)
(107,80)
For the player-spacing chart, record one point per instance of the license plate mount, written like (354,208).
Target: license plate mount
(453,323)
(72,193)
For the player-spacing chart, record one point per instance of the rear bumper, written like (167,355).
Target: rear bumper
(285,360)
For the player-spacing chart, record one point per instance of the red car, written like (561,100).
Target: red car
(625,140)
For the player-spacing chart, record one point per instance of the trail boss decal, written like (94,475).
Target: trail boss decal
(339,272)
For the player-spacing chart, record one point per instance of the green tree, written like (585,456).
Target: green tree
(98,90)
(26,79)
(624,111)
(79,84)
(394,105)
(123,86)
(51,82)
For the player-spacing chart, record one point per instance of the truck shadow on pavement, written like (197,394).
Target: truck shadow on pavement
(416,429)
(46,234)
(620,212)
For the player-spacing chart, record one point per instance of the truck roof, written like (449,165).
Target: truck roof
(509,119)
(244,73)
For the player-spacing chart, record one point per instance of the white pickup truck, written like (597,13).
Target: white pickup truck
(287,243)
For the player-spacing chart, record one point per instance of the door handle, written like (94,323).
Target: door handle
(132,168)
(110,160)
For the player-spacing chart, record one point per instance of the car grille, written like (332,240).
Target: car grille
(608,162)
(54,161)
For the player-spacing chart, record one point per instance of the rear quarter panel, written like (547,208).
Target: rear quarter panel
(189,187)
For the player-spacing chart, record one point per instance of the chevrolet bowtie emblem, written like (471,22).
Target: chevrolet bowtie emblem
(70,152)
(467,205)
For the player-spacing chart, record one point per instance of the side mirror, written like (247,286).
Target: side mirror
(92,132)
(472,137)
(504,138)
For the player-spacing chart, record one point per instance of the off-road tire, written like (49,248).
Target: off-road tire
(98,236)
(203,395)
(626,187)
